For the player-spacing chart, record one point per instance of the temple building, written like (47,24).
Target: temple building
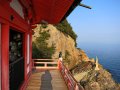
(17,18)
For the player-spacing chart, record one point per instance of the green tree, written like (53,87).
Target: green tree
(66,58)
(66,28)
(40,47)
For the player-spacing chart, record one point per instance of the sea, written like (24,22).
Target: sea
(108,55)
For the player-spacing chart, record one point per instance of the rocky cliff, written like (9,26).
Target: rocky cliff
(91,79)
(62,43)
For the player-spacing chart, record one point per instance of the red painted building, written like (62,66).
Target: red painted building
(16,20)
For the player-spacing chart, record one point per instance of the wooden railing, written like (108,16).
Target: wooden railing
(68,77)
(45,63)
(71,83)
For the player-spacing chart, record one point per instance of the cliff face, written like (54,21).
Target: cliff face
(64,43)
(92,79)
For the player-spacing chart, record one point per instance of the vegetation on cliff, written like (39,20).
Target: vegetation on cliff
(40,47)
(66,28)
(48,41)
(66,58)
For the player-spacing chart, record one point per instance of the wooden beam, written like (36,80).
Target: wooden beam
(86,6)
(5,56)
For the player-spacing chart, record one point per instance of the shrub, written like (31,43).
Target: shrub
(43,25)
(66,59)
(40,49)
(66,28)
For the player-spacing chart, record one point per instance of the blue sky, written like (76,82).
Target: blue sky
(100,25)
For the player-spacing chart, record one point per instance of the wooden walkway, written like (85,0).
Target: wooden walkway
(46,80)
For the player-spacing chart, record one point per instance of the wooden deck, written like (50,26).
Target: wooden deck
(46,80)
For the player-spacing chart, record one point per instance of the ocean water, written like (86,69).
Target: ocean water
(108,55)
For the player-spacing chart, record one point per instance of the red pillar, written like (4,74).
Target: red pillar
(31,62)
(0,56)
(25,56)
(5,56)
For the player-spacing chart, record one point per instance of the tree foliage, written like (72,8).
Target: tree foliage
(66,28)
(40,47)
(66,58)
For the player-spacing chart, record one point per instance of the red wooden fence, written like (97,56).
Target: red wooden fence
(71,83)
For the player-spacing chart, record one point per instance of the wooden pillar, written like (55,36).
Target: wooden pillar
(31,62)
(29,51)
(5,56)
(0,56)
(25,56)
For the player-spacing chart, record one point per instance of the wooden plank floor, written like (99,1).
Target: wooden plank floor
(46,80)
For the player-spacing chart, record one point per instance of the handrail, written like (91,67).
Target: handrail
(45,63)
(71,82)
(68,77)
(44,59)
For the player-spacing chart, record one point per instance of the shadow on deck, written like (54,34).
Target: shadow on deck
(46,80)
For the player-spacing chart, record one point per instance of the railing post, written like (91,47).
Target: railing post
(33,62)
(45,64)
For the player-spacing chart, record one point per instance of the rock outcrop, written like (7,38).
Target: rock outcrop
(64,43)
(92,79)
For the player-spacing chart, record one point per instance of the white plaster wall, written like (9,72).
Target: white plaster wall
(17,7)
